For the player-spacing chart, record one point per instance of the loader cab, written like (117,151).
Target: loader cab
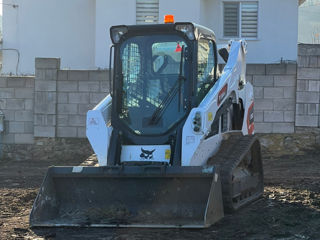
(161,72)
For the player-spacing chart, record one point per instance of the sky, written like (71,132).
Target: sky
(309,22)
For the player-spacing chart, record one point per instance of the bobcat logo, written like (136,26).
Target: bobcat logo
(93,121)
(146,154)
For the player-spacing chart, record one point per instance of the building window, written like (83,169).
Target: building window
(147,11)
(240,19)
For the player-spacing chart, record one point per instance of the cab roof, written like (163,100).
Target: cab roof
(199,31)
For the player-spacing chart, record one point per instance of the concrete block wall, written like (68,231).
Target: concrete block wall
(16,102)
(53,103)
(78,92)
(275,96)
(45,110)
(63,98)
(308,86)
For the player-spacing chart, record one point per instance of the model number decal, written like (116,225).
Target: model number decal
(250,119)
(222,94)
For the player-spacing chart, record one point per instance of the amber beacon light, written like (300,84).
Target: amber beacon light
(168,19)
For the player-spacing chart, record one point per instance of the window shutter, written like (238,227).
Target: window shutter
(249,20)
(147,11)
(231,19)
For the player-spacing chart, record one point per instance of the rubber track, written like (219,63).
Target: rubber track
(231,153)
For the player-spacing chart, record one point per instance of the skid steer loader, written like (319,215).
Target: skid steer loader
(174,139)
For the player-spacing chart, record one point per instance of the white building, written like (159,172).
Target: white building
(77,31)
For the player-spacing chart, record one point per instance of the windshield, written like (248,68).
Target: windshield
(153,83)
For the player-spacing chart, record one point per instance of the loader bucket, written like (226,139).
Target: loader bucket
(129,196)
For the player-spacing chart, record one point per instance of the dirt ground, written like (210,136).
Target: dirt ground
(289,209)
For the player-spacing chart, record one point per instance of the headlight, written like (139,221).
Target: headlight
(117,32)
(186,28)
(197,123)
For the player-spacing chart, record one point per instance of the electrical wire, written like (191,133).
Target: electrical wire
(9,4)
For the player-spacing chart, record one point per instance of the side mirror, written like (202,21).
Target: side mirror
(223,52)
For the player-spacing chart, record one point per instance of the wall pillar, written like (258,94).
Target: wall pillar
(308,86)
(45,106)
